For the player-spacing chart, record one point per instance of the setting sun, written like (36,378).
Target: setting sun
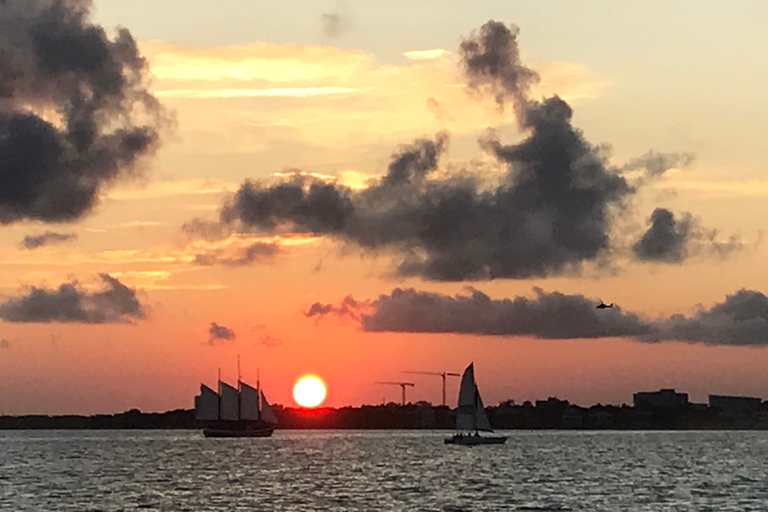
(309,391)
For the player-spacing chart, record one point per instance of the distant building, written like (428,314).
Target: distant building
(735,405)
(661,398)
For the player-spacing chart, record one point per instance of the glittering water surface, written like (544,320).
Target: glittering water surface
(382,470)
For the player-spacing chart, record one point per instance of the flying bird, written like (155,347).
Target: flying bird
(603,305)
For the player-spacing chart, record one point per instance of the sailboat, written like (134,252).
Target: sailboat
(241,411)
(471,418)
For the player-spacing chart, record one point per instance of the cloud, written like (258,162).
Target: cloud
(76,114)
(243,256)
(264,92)
(349,307)
(718,188)
(434,53)
(280,92)
(5,344)
(548,315)
(547,216)
(218,332)
(164,189)
(656,164)
(47,238)
(741,319)
(550,210)
(337,23)
(115,303)
(666,238)
(673,240)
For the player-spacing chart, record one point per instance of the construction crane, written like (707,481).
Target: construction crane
(441,374)
(403,385)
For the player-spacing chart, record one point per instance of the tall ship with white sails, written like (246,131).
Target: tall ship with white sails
(471,418)
(241,411)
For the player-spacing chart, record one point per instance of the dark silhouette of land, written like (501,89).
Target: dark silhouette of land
(543,414)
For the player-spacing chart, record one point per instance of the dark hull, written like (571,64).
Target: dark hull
(238,429)
(467,440)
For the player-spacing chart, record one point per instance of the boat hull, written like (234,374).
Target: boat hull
(215,432)
(238,429)
(475,440)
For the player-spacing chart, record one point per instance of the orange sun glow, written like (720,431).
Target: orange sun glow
(309,391)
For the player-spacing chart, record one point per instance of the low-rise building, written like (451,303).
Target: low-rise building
(732,406)
(661,398)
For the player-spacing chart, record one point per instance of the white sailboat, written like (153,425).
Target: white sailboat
(471,418)
(234,412)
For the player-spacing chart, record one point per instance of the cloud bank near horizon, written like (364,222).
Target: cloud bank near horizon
(740,320)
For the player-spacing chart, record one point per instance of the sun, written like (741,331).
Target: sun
(309,391)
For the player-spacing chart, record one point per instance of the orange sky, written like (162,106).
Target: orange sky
(252,104)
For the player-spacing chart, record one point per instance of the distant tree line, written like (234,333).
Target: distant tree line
(543,414)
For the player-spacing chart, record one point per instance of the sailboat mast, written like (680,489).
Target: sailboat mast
(258,396)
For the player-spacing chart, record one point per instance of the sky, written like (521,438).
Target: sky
(357,189)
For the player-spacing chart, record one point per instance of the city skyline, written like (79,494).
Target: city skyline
(355,191)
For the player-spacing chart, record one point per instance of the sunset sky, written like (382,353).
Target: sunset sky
(354,189)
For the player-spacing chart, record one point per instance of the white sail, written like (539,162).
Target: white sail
(249,402)
(207,404)
(266,411)
(470,413)
(229,402)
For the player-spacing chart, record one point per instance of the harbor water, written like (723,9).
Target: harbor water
(382,471)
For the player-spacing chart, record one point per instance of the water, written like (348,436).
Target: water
(382,471)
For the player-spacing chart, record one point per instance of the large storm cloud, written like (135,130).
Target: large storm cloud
(741,319)
(552,211)
(115,303)
(75,112)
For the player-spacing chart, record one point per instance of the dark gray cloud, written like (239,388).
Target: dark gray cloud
(490,58)
(742,319)
(218,332)
(549,214)
(301,204)
(666,238)
(47,238)
(53,59)
(115,303)
(548,315)
(237,258)
(671,239)
(348,307)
